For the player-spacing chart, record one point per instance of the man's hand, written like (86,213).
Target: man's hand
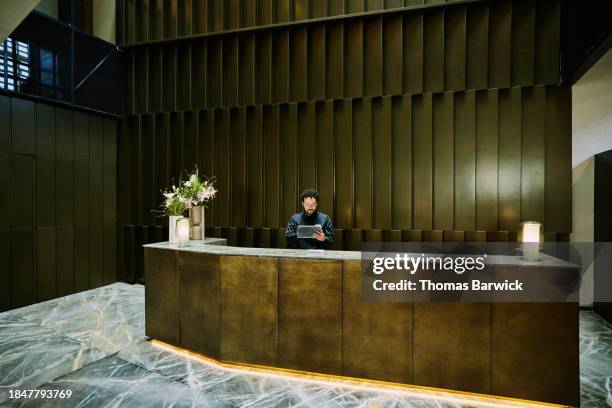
(319,236)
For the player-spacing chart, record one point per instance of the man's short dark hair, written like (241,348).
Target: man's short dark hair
(309,193)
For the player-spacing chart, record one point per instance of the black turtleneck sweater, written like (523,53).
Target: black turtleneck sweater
(305,219)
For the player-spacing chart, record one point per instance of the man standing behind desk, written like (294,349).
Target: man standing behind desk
(310,216)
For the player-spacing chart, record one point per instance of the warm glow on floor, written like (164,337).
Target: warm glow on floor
(359,384)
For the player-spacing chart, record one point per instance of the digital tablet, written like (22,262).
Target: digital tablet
(306,231)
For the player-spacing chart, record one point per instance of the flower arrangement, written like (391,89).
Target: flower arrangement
(175,202)
(197,191)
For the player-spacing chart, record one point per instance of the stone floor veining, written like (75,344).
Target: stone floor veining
(93,344)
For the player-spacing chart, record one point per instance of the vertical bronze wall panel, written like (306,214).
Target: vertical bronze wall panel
(232,21)
(81,192)
(230,71)
(422,162)
(465,161)
(200,16)
(216,15)
(198,75)
(271,164)
(533,154)
(162,308)
(355,6)
(413,53)
(353,59)
(64,167)
(363,330)
(477,46)
(464,343)
(141,81)
(335,7)
(310,315)
(23,127)
(362,137)
(109,257)
(548,38)
(325,155)
(316,62)
(265,11)
(162,161)
(237,162)
(249,13)
(23,290)
(96,256)
(282,11)
(214,72)
(523,43)
(373,57)
(197,304)
(46,279)
(156,19)
(142,21)
(444,172)
(299,64)
(183,82)
(22,192)
(382,167)
(307,148)
(5,198)
(129,34)
(190,141)
(81,257)
(249,309)
(5,124)
(334,59)
(45,165)
(317,9)
(254,168)
(170,18)
(433,58)
(207,153)
(155,92)
(280,66)
(455,49)
(246,70)
(401,158)
(149,191)
(263,67)
(5,263)
(65,259)
(95,192)
(129,84)
(221,170)
(96,138)
(558,199)
(343,163)
(373,5)
(392,66)
(300,9)
(526,342)
(289,164)
(500,47)
(510,107)
(176,144)
(486,160)
(169,78)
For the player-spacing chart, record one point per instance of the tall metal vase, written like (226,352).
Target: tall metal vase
(196,218)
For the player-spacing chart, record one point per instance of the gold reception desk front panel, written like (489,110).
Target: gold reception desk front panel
(307,314)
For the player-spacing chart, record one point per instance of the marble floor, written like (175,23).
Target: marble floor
(93,344)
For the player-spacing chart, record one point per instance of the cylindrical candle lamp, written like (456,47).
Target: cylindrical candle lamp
(182,231)
(530,238)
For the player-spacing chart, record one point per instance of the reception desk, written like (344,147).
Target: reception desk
(302,310)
